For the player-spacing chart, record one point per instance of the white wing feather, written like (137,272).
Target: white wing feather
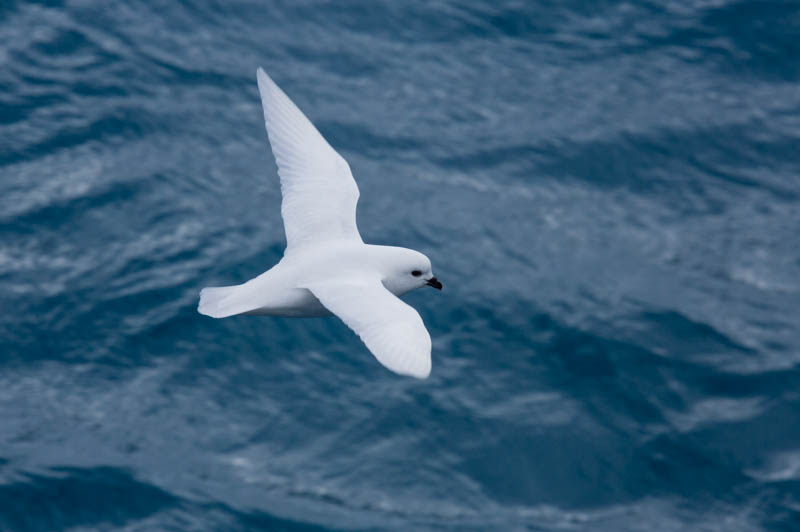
(319,192)
(392,330)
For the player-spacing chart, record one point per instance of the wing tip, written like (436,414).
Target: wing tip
(273,99)
(262,77)
(417,367)
(421,375)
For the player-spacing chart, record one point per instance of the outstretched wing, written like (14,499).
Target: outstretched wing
(319,192)
(392,330)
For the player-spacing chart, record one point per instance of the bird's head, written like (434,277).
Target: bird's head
(406,269)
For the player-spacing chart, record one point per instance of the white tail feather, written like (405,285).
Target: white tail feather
(224,301)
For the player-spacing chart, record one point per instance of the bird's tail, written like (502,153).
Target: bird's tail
(224,301)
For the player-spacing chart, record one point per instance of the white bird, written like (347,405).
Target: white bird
(327,268)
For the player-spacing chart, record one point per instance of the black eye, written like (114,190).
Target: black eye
(416,273)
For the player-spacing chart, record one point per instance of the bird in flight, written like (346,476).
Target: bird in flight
(327,268)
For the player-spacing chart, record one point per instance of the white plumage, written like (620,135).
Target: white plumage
(326,267)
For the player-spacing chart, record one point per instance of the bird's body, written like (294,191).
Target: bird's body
(281,290)
(327,268)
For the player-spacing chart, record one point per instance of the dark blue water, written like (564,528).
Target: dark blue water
(610,192)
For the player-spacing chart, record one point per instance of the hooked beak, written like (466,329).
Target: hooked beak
(434,282)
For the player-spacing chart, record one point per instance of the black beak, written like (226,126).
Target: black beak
(434,282)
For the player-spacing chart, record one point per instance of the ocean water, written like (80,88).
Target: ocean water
(610,192)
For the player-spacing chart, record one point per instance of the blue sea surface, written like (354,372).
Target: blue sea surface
(609,190)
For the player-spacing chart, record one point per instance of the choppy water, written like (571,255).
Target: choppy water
(610,192)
